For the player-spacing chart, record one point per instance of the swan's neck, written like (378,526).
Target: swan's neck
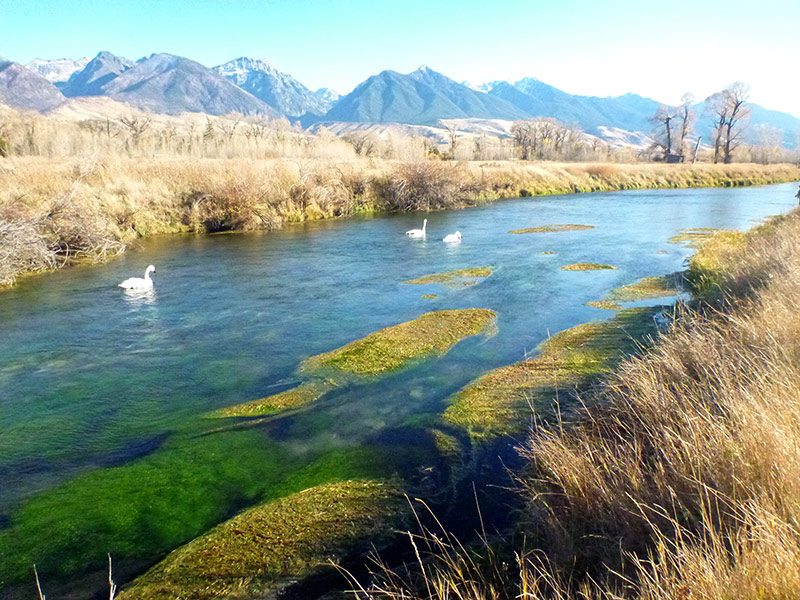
(424,225)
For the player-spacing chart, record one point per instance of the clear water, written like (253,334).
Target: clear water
(94,380)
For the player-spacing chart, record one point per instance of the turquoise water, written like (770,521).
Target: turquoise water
(100,389)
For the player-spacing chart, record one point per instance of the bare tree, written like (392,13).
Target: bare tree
(686,118)
(663,119)
(729,112)
(136,127)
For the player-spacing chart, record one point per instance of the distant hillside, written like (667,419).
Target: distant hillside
(57,70)
(421,98)
(98,73)
(164,83)
(22,88)
(280,90)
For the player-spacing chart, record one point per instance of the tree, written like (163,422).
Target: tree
(729,113)
(686,117)
(663,118)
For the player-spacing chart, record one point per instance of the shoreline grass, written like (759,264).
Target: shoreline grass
(55,212)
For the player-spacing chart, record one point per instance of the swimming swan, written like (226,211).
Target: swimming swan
(417,233)
(452,238)
(137,283)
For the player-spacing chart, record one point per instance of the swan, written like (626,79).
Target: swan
(417,233)
(452,238)
(138,283)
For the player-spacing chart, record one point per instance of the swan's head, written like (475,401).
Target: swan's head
(424,222)
(458,234)
(150,269)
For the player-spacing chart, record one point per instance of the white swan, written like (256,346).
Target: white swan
(417,233)
(137,283)
(452,238)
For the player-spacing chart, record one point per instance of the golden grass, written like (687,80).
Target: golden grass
(604,304)
(54,211)
(647,287)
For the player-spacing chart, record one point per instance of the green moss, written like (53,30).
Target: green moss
(548,228)
(448,445)
(286,539)
(429,296)
(604,304)
(648,287)
(393,347)
(587,267)
(502,401)
(694,237)
(303,394)
(452,277)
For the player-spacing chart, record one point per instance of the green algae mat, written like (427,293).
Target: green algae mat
(552,228)
(503,401)
(453,278)
(588,266)
(389,349)
(393,347)
(286,539)
(647,287)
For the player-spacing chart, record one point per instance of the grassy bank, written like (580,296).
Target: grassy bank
(676,479)
(57,211)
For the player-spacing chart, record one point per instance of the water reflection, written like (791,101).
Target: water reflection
(136,298)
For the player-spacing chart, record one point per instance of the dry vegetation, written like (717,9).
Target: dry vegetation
(84,189)
(680,477)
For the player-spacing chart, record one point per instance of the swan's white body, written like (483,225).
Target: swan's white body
(452,238)
(418,233)
(139,283)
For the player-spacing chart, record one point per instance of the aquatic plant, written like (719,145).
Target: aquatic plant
(429,296)
(549,228)
(647,287)
(587,267)
(694,237)
(604,304)
(290,537)
(504,401)
(452,278)
(303,394)
(393,347)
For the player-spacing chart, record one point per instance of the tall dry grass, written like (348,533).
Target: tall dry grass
(679,478)
(56,210)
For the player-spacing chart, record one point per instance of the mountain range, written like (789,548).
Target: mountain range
(169,84)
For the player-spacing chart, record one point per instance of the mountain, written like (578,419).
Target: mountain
(328,96)
(422,97)
(24,89)
(164,83)
(280,90)
(96,75)
(57,70)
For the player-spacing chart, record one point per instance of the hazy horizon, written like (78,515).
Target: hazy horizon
(598,49)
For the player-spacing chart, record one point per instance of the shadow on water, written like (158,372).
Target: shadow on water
(104,394)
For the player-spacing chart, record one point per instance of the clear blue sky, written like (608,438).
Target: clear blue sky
(657,49)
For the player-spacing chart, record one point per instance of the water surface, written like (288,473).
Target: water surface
(94,380)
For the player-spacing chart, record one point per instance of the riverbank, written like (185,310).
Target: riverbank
(55,212)
(678,477)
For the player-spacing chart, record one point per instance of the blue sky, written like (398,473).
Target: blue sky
(657,49)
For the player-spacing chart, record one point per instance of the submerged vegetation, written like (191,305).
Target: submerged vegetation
(503,401)
(284,539)
(604,304)
(549,228)
(587,266)
(393,347)
(452,278)
(647,287)
(694,237)
(303,394)
(55,211)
